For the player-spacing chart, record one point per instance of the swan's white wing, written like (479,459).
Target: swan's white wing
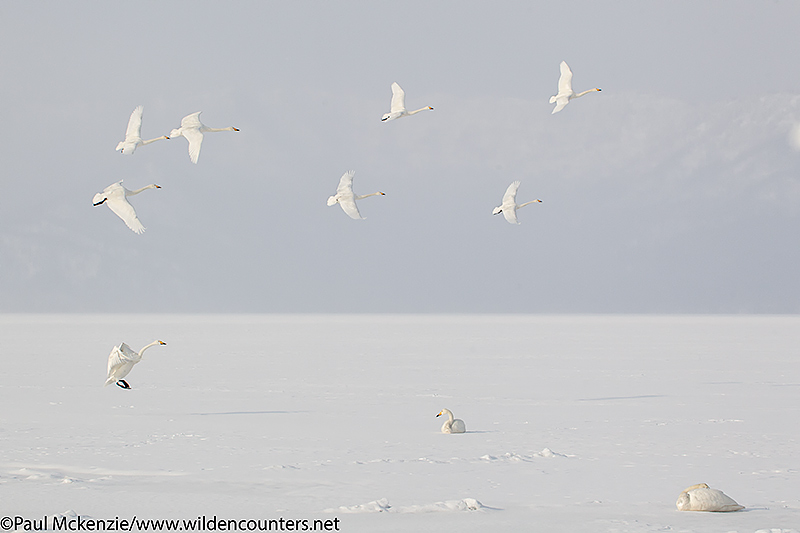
(191,121)
(510,197)
(349,206)
(120,361)
(346,183)
(124,210)
(561,103)
(565,80)
(195,138)
(398,99)
(134,130)
(510,213)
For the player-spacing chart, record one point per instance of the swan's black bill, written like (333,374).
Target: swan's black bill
(123,384)
(99,203)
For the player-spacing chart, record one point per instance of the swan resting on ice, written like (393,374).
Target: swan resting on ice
(115,196)
(452,425)
(701,498)
(121,361)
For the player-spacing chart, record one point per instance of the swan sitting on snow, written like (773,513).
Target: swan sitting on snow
(565,92)
(398,109)
(133,135)
(509,206)
(115,197)
(121,361)
(346,198)
(192,129)
(701,498)
(452,425)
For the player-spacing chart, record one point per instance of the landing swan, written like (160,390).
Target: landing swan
(346,198)
(133,135)
(398,109)
(452,425)
(701,498)
(509,206)
(565,92)
(193,130)
(115,197)
(121,361)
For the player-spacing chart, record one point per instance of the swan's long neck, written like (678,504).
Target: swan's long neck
(137,191)
(528,203)
(409,113)
(450,416)
(154,140)
(211,130)
(584,92)
(141,352)
(368,195)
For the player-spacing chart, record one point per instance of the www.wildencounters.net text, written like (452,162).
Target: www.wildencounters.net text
(199,524)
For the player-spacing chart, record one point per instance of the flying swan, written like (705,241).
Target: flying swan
(565,92)
(701,498)
(114,196)
(346,198)
(121,361)
(133,135)
(509,206)
(452,425)
(193,130)
(398,109)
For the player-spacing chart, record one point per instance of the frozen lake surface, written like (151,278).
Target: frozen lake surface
(574,423)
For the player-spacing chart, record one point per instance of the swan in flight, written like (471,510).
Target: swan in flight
(398,109)
(346,198)
(701,498)
(193,130)
(115,197)
(509,206)
(121,361)
(565,92)
(133,135)
(452,425)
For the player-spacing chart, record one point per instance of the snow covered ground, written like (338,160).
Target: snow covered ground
(574,423)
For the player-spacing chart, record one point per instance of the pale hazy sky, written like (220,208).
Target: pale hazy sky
(675,189)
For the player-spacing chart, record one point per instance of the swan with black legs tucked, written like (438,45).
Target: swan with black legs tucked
(133,135)
(398,109)
(121,361)
(509,206)
(192,129)
(565,92)
(115,197)
(452,425)
(346,198)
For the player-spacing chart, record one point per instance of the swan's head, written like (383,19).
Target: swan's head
(444,412)
(384,118)
(98,199)
(597,89)
(234,129)
(162,343)
(684,502)
(497,210)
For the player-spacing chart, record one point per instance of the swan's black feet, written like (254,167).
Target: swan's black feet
(124,384)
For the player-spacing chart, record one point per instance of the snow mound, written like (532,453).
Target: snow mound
(777,530)
(511,457)
(382,506)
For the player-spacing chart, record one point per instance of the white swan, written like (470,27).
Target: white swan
(565,92)
(114,196)
(452,425)
(346,198)
(193,130)
(133,135)
(509,206)
(121,361)
(398,108)
(701,498)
